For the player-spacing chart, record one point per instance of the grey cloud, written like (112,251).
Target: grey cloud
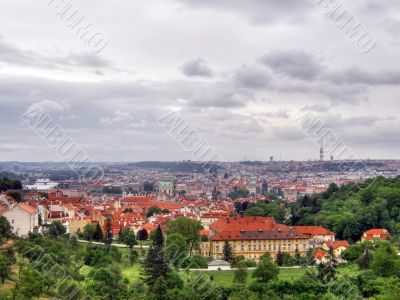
(252,77)
(259,11)
(12,54)
(317,107)
(196,67)
(293,63)
(356,75)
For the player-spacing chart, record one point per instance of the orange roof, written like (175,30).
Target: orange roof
(27,208)
(377,231)
(313,230)
(373,233)
(203,232)
(337,244)
(319,254)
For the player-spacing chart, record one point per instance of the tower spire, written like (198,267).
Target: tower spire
(321,151)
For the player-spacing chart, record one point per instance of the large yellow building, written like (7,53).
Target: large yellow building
(252,237)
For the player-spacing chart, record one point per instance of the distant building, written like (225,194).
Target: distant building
(337,246)
(375,234)
(165,187)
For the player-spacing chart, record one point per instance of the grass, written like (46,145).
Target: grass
(225,278)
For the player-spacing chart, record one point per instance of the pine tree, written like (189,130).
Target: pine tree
(155,265)
(228,255)
(327,271)
(108,238)
(98,234)
(120,234)
(279,258)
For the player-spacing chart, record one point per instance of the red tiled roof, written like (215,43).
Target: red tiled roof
(337,244)
(313,230)
(319,254)
(27,208)
(377,231)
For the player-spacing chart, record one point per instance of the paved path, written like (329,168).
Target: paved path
(115,245)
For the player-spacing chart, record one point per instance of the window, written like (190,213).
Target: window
(12,221)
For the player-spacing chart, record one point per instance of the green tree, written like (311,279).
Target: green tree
(327,271)
(108,237)
(240,274)
(129,238)
(5,229)
(155,264)
(133,256)
(98,234)
(266,270)
(176,249)
(89,232)
(187,228)
(154,210)
(227,251)
(365,259)
(56,229)
(385,261)
(4,268)
(142,235)
(30,284)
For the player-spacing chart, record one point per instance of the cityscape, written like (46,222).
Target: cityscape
(199,150)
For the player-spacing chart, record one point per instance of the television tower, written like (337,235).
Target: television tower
(321,152)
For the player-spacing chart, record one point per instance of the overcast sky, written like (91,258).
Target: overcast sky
(240,72)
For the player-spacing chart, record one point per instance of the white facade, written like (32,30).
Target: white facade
(22,220)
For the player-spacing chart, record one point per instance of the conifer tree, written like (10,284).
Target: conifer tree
(98,234)
(228,255)
(108,238)
(155,265)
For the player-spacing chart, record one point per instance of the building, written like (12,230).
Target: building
(23,218)
(337,246)
(251,237)
(318,235)
(375,234)
(165,187)
(219,265)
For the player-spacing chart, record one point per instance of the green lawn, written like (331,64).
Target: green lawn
(225,278)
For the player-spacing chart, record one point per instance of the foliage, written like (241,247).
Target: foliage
(266,270)
(352,209)
(5,268)
(227,251)
(98,234)
(195,262)
(385,261)
(9,184)
(108,236)
(142,235)
(56,229)
(5,228)
(15,195)
(128,237)
(241,273)
(31,284)
(263,209)
(154,210)
(238,193)
(155,264)
(327,270)
(176,249)
(188,229)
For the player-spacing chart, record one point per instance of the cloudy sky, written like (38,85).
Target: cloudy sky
(239,72)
